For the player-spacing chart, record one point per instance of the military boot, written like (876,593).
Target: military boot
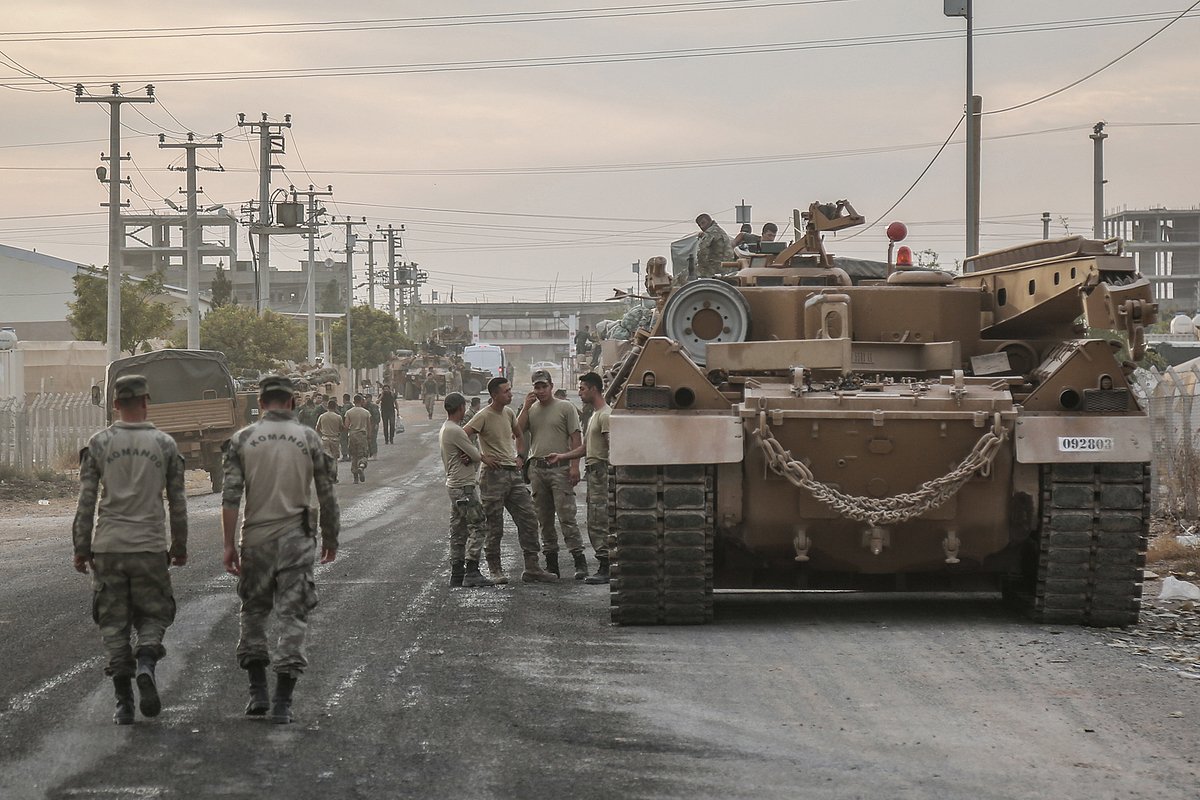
(535,574)
(123,685)
(581,571)
(552,563)
(456,572)
(473,577)
(281,703)
(601,575)
(496,569)
(260,701)
(149,703)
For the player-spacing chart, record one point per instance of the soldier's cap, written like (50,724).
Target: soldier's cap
(128,387)
(275,383)
(541,376)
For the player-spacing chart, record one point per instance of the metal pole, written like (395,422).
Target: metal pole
(971,133)
(1098,136)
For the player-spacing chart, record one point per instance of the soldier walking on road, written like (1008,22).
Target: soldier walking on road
(330,427)
(429,390)
(468,522)
(387,414)
(376,418)
(553,427)
(309,413)
(501,485)
(595,448)
(358,428)
(345,438)
(127,546)
(275,462)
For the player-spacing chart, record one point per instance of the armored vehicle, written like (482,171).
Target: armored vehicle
(193,398)
(785,427)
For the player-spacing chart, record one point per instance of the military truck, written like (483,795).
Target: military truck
(193,398)
(783,427)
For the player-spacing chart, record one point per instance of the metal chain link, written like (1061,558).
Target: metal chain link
(887,510)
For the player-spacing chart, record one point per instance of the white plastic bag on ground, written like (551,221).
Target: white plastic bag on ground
(1175,589)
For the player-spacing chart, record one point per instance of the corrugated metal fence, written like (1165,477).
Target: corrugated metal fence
(1170,397)
(47,431)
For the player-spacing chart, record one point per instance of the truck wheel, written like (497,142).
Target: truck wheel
(661,544)
(1091,546)
(472,386)
(217,478)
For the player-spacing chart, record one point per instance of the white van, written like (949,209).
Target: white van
(487,357)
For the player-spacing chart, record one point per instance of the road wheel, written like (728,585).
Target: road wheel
(661,518)
(472,386)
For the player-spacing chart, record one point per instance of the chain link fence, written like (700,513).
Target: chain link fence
(47,431)
(1170,397)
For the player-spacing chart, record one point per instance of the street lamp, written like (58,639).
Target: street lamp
(962,8)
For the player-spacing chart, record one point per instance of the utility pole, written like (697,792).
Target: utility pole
(1045,225)
(192,233)
(393,241)
(350,242)
(371,240)
(973,108)
(1098,136)
(312,222)
(270,143)
(116,230)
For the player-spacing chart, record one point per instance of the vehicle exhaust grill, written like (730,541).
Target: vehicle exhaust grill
(1106,400)
(649,398)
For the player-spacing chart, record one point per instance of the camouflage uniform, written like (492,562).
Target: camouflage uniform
(553,494)
(278,547)
(597,506)
(505,489)
(376,418)
(309,414)
(713,248)
(466,538)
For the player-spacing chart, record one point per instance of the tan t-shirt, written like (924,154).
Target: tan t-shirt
(358,419)
(329,424)
(550,427)
(454,443)
(495,434)
(597,444)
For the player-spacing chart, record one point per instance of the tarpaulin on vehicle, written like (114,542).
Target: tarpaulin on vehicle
(177,376)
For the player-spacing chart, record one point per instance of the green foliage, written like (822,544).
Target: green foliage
(374,335)
(222,290)
(328,300)
(251,342)
(142,317)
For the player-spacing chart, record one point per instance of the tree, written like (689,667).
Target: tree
(329,301)
(142,317)
(374,336)
(222,290)
(250,342)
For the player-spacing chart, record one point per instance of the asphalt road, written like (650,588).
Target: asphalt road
(417,690)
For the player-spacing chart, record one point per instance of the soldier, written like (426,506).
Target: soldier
(553,427)
(275,462)
(429,390)
(501,485)
(128,549)
(376,418)
(713,248)
(344,439)
(330,427)
(358,427)
(467,518)
(387,414)
(309,413)
(472,410)
(454,381)
(595,448)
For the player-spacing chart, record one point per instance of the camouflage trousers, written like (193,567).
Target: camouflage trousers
(553,495)
(331,447)
(277,575)
(597,506)
(360,449)
(429,402)
(466,539)
(131,592)
(502,489)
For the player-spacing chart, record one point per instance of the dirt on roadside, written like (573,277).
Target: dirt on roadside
(24,497)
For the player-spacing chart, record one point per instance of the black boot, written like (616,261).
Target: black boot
(552,563)
(150,703)
(580,565)
(456,572)
(601,575)
(260,701)
(124,689)
(281,704)
(472,577)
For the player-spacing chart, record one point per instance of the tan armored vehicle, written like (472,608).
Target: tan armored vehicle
(783,427)
(193,398)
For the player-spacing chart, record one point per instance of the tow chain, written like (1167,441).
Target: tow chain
(888,510)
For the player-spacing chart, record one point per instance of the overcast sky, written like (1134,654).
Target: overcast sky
(518,182)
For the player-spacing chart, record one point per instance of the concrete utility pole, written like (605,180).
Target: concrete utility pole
(1098,136)
(270,143)
(312,222)
(393,240)
(1045,224)
(371,240)
(192,234)
(963,8)
(350,242)
(116,229)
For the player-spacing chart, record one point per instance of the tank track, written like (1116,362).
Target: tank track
(661,544)
(1091,547)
